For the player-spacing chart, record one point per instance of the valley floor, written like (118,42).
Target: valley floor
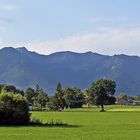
(118,123)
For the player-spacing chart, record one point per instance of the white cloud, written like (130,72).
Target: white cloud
(1,44)
(106,41)
(8,7)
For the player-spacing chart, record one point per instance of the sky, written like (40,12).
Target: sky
(47,26)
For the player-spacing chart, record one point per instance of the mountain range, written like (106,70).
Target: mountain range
(24,68)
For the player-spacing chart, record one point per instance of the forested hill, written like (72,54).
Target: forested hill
(24,68)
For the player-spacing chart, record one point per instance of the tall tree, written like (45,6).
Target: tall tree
(74,97)
(57,102)
(37,88)
(59,94)
(103,89)
(9,88)
(29,94)
(40,99)
(88,96)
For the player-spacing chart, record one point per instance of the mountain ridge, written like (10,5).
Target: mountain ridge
(26,68)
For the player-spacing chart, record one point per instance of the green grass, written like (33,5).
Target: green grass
(84,124)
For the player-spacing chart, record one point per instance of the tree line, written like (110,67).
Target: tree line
(100,92)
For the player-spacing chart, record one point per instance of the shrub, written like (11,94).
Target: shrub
(13,109)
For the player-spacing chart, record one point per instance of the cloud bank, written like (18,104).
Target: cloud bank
(106,41)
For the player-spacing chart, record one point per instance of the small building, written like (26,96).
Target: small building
(123,102)
(30,106)
(136,102)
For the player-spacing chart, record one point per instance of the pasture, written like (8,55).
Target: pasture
(118,123)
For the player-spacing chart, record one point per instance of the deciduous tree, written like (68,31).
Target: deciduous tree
(103,89)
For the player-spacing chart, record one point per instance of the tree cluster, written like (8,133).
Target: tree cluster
(37,98)
(100,93)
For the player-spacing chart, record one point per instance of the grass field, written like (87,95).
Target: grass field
(118,123)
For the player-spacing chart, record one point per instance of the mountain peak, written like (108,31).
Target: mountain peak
(89,52)
(8,50)
(22,49)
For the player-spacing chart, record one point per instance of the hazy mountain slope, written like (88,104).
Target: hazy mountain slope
(24,68)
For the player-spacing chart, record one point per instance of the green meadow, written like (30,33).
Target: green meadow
(118,123)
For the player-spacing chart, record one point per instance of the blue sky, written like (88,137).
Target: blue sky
(46,26)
